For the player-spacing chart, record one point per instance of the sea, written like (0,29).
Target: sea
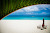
(25,18)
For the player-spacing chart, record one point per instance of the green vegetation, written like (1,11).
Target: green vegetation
(8,6)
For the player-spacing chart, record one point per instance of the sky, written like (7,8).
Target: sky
(41,9)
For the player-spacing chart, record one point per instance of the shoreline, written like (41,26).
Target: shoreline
(44,20)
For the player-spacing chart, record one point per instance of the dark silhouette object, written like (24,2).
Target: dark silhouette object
(43,23)
(43,26)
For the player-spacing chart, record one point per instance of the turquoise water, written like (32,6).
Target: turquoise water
(26,18)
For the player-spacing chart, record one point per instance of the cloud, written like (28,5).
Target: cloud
(32,14)
(43,6)
(20,10)
(28,13)
(44,13)
(34,8)
(31,8)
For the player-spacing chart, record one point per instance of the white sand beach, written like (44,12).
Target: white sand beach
(23,26)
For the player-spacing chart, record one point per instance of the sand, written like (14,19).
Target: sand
(23,26)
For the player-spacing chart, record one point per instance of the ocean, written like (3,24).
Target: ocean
(25,18)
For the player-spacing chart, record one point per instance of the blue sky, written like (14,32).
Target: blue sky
(42,9)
